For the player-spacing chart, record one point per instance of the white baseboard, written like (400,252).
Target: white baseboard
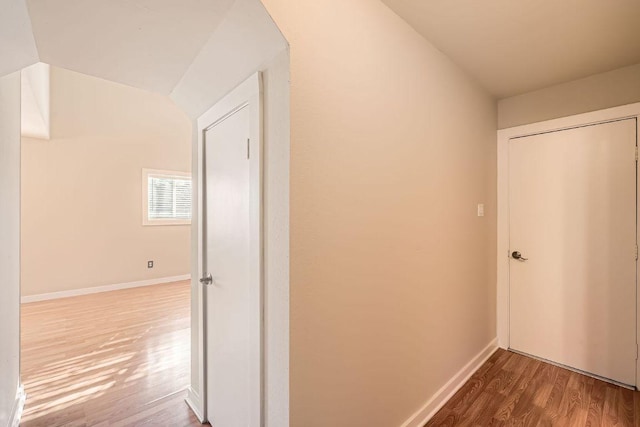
(437,401)
(194,402)
(18,406)
(106,288)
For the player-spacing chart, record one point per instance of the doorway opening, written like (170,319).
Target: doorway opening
(105,248)
(192,54)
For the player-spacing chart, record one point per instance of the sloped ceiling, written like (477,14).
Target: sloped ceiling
(512,47)
(143,43)
(244,41)
(17,46)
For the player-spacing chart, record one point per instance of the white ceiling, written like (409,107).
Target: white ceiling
(144,43)
(245,41)
(17,46)
(512,47)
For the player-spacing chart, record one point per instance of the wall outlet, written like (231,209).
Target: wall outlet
(480,209)
(149,264)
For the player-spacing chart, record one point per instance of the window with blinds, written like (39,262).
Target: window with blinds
(167,197)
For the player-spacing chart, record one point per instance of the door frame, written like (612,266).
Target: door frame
(503,254)
(248,94)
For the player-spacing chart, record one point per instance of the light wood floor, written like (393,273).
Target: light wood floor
(514,390)
(111,359)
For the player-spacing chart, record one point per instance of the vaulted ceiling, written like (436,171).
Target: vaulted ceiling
(144,43)
(512,47)
(509,47)
(17,45)
(195,51)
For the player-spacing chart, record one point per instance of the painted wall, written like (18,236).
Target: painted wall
(82,192)
(35,102)
(392,272)
(10,247)
(597,92)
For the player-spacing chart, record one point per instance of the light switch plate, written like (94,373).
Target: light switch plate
(480,209)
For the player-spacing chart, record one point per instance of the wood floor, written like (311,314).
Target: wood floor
(514,390)
(111,359)
(122,359)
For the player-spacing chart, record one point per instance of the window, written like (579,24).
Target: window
(166,197)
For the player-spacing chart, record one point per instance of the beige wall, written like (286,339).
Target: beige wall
(81,191)
(10,247)
(597,92)
(392,272)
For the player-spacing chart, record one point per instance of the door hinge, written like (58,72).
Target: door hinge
(248,148)
(636,252)
(636,154)
(636,351)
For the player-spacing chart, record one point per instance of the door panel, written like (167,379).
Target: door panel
(572,202)
(228,298)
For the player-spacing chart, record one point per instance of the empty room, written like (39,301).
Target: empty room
(105,252)
(403,213)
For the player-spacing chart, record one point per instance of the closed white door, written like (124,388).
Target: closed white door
(572,275)
(231,334)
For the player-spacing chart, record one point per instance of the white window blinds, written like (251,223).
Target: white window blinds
(168,198)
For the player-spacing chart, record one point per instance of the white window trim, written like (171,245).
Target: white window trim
(145,196)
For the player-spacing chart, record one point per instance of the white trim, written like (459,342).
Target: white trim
(248,94)
(195,403)
(145,197)
(447,391)
(105,288)
(504,135)
(18,407)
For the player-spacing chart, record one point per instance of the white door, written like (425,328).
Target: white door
(572,210)
(233,298)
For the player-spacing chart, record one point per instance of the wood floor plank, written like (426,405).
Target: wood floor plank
(515,390)
(626,407)
(636,409)
(610,410)
(527,369)
(462,400)
(596,404)
(118,358)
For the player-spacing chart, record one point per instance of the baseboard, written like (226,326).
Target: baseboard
(106,288)
(18,406)
(437,401)
(195,403)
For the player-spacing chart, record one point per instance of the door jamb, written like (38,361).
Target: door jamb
(504,135)
(248,94)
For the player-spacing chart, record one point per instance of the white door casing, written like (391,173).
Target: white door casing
(231,142)
(572,213)
(504,250)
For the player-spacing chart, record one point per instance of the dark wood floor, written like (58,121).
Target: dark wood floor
(514,390)
(117,358)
